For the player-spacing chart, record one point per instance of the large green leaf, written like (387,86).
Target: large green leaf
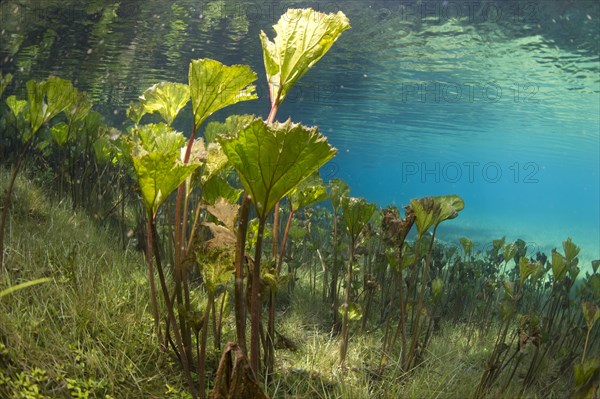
(60,132)
(357,212)
(449,206)
(156,153)
(159,174)
(16,106)
(79,109)
(559,265)
(424,214)
(166,98)
(216,187)
(231,125)
(308,192)
(273,159)
(216,161)
(156,138)
(337,190)
(303,37)
(526,268)
(47,99)
(571,250)
(214,86)
(431,211)
(4,82)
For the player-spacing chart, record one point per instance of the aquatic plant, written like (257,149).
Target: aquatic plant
(428,211)
(271,160)
(338,189)
(164,163)
(356,212)
(45,100)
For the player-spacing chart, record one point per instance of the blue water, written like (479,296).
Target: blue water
(498,102)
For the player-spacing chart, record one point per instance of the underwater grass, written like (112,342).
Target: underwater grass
(89,330)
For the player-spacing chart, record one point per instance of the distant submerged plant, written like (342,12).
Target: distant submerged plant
(356,212)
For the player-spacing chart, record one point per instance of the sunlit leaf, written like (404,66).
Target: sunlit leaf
(273,159)
(60,133)
(47,99)
(215,161)
(303,36)
(135,112)
(159,174)
(217,187)
(231,126)
(157,137)
(571,250)
(166,98)
(354,311)
(449,206)
(216,273)
(308,192)
(424,214)
(526,268)
(357,212)
(337,190)
(214,86)
(431,211)
(79,108)
(16,106)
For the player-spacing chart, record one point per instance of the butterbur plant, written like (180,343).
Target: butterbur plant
(45,100)
(163,163)
(356,212)
(271,160)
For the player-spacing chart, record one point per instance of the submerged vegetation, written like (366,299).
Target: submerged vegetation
(341,301)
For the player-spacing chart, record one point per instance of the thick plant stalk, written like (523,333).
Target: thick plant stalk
(284,241)
(345,327)
(416,326)
(185,360)
(334,274)
(180,275)
(150,265)
(203,340)
(239,298)
(255,303)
